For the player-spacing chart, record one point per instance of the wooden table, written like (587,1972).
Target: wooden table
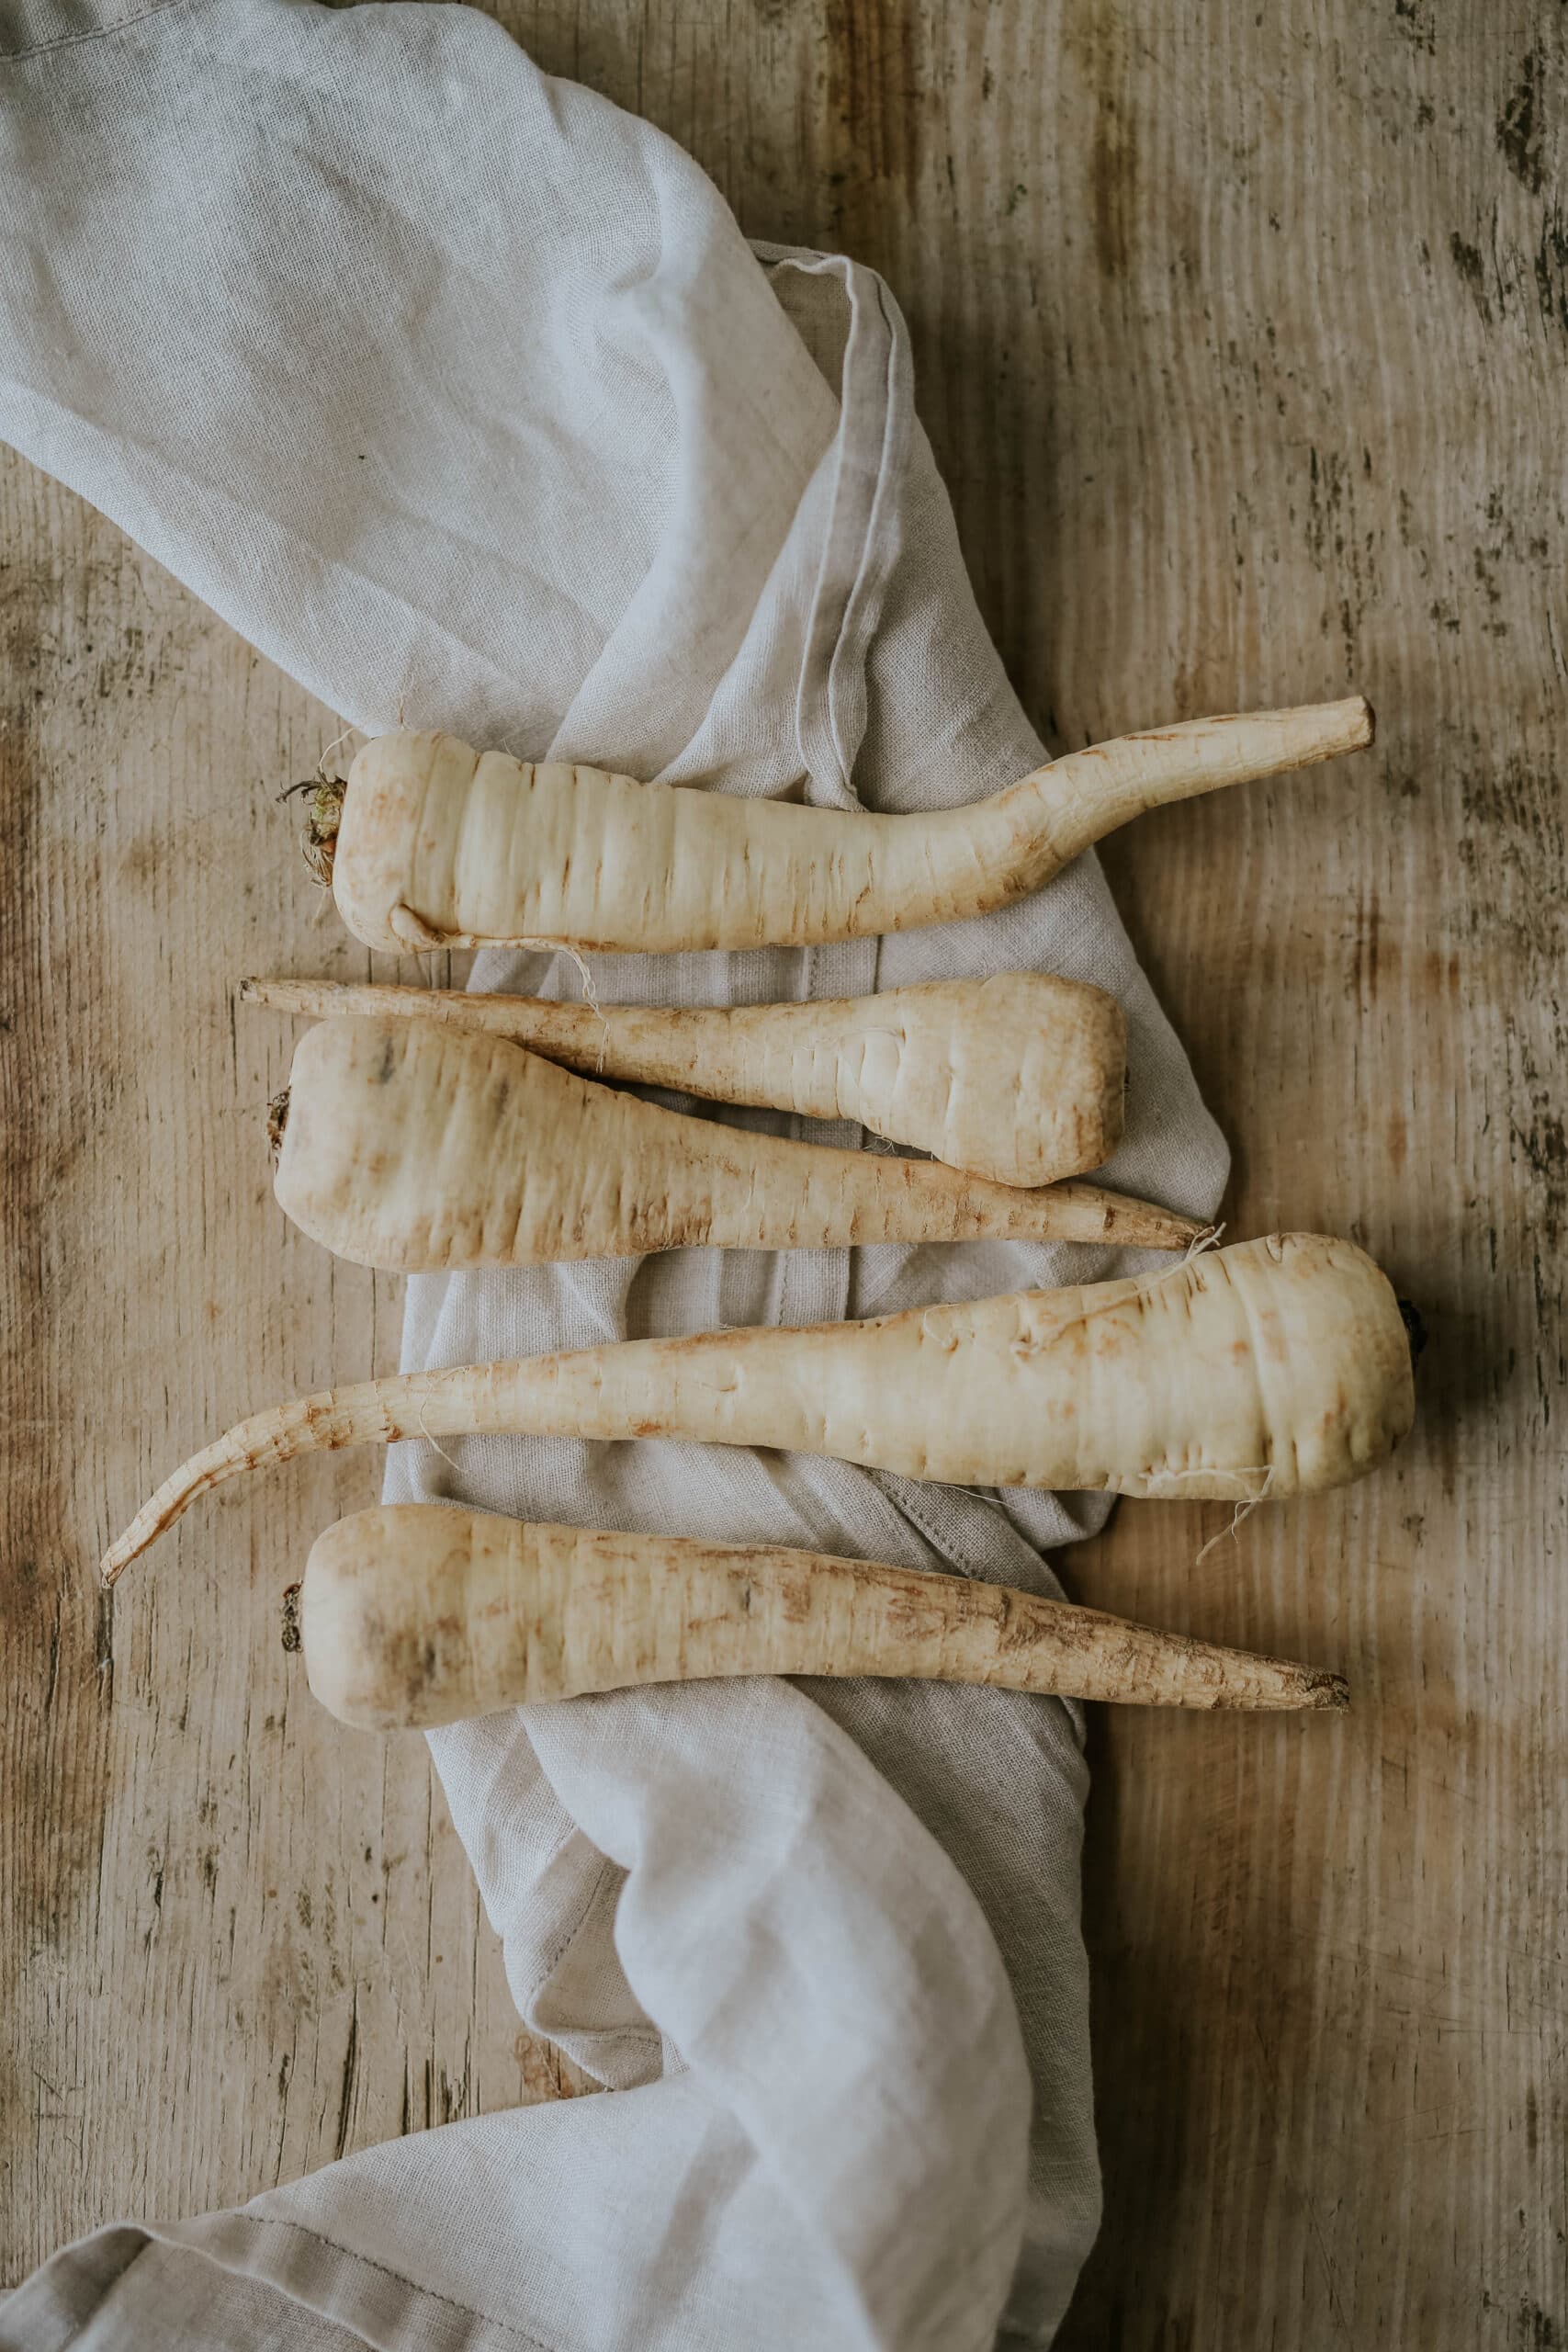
(1242,337)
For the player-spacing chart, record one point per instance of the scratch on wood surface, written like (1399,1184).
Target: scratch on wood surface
(350,2072)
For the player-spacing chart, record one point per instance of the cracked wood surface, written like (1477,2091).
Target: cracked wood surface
(1241,335)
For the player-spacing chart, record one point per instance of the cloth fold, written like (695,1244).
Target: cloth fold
(460,393)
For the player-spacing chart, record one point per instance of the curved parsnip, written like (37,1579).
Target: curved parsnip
(1019,1078)
(412,1615)
(438,845)
(420,1147)
(1274,1368)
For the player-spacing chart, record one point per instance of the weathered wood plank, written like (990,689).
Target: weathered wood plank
(234,1942)
(1241,334)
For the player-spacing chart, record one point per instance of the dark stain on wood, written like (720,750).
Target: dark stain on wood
(873,119)
(1096,39)
(1416,21)
(1112,185)
(1519,125)
(1466,259)
(1551,264)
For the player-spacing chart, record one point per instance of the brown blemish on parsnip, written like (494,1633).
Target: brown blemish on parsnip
(407,1623)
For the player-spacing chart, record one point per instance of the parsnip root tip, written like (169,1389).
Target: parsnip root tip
(125,1548)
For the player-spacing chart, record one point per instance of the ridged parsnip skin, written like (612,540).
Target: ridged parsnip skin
(413,1615)
(1273,1368)
(417,1147)
(1019,1078)
(443,846)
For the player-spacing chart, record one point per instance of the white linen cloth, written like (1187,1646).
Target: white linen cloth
(460,393)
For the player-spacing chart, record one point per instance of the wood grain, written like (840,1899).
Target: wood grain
(236,1942)
(1241,334)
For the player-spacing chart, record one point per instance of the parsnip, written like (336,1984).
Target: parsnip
(1273,1368)
(437,845)
(412,1615)
(1019,1078)
(417,1147)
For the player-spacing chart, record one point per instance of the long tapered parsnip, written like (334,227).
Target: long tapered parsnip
(438,845)
(1019,1078)
(1273,1368)
(414,1614)
(416,1147)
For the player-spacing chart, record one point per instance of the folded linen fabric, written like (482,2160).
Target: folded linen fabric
(590,477)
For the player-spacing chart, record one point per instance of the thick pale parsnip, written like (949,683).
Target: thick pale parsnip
(417,1147)
(412,1615)
(438,845)
(1271,1369)
(1019,1078)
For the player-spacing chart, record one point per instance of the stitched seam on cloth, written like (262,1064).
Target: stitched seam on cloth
(609,2035)
(431,2294)
(960,1556)
(817,714)
(24,2298)
(873,570)
(571,1934)
(562,1842)
(815,722)
(645,2037)
(808,729)
(95,32)
(941,1545)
